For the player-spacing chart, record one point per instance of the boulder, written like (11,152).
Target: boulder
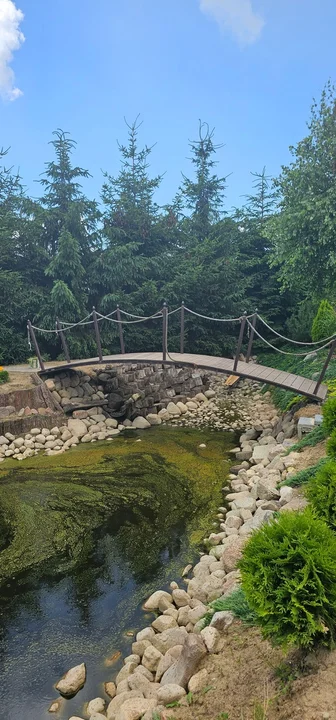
(151,658)
(211,639)
(197,613)
(139,647)
(77,427)
(266,488)
(286,494)
(166,661)
(244,503)
(260,452)
(153,601)
(118,701)
(125,672)
(110,689)
(199,681)
(96,706)
(164,622)
(135,708)
(222,620)
(146,634)
(72,681)
(170,693)
(173,410)
(232,553)
(182,670)
(168,639)
(180,598)
(140,423)
(153,419)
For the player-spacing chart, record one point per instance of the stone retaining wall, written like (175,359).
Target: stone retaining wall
(146,388)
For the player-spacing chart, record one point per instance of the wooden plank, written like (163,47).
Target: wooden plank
(260,373)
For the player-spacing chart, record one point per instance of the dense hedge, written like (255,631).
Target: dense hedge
(289,579)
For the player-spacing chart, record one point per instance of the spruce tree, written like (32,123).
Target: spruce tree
(203,196)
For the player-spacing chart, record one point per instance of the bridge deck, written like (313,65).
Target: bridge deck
(260,373)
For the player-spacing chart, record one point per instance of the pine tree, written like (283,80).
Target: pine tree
(204,196)
(131,212)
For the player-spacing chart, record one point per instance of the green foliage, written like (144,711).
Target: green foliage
(317,435)
(321,492)
(4,376)
(302,232)
(324,323)
(237,604)
(329,414)
(289,577)
(331,445)
(303,476)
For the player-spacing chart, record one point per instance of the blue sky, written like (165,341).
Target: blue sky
(250,68)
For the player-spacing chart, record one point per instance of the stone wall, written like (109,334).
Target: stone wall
(136,389)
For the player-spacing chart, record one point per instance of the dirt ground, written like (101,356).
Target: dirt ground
(251,680)
(17,381)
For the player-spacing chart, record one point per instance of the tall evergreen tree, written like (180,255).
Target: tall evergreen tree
(203,196)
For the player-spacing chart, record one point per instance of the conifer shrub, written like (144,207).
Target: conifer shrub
(321,491)
(289,579)
(324,323)
(331,445)
(329,415)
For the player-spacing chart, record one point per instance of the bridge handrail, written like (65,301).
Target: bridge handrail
(285,352)
(295,342)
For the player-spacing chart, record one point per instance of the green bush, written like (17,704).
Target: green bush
(289,579)
(313,438)
(235,602)
(331,445)
(303,476)
(324,323)
(4,377)
(321,492)
(329,415)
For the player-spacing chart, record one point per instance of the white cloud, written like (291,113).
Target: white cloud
(237,16)
(11,39)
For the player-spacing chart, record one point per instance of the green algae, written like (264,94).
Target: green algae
(51,508)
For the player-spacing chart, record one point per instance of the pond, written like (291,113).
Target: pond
(85,537)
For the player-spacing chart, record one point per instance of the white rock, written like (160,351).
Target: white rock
(77,427)
(72,681)
(170,693)
(153,419)
(154,600)
(173,409)
(140,423)
(96,706)
(286,494)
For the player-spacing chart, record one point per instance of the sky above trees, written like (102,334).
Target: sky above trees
(248,67)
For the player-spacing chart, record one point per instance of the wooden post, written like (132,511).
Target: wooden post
(96,327)
(252,329)
(324,369)
(164,331)
(240,341)
(35,343)
(121,333)
(182,330)
(63,341)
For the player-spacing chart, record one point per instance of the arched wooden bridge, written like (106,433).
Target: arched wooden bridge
(314,389)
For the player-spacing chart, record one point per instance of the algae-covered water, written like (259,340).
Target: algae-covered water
(84,538)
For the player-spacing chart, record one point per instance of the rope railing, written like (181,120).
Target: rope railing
(285,352)
(290,340)
(122,317)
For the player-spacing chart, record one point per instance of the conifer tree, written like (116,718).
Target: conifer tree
(203,196)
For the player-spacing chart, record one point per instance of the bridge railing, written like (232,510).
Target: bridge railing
(247,322)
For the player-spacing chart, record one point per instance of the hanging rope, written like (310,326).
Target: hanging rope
(285,352)
(295,342)
(129,322)
(206,317)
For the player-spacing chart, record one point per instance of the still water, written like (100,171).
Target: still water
(84,541)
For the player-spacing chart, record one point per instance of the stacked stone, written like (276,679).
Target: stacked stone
(70,388)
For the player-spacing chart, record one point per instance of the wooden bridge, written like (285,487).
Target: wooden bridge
(244,368)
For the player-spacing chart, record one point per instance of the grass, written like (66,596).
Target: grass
(303,476)
(310,440)
(235,603)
